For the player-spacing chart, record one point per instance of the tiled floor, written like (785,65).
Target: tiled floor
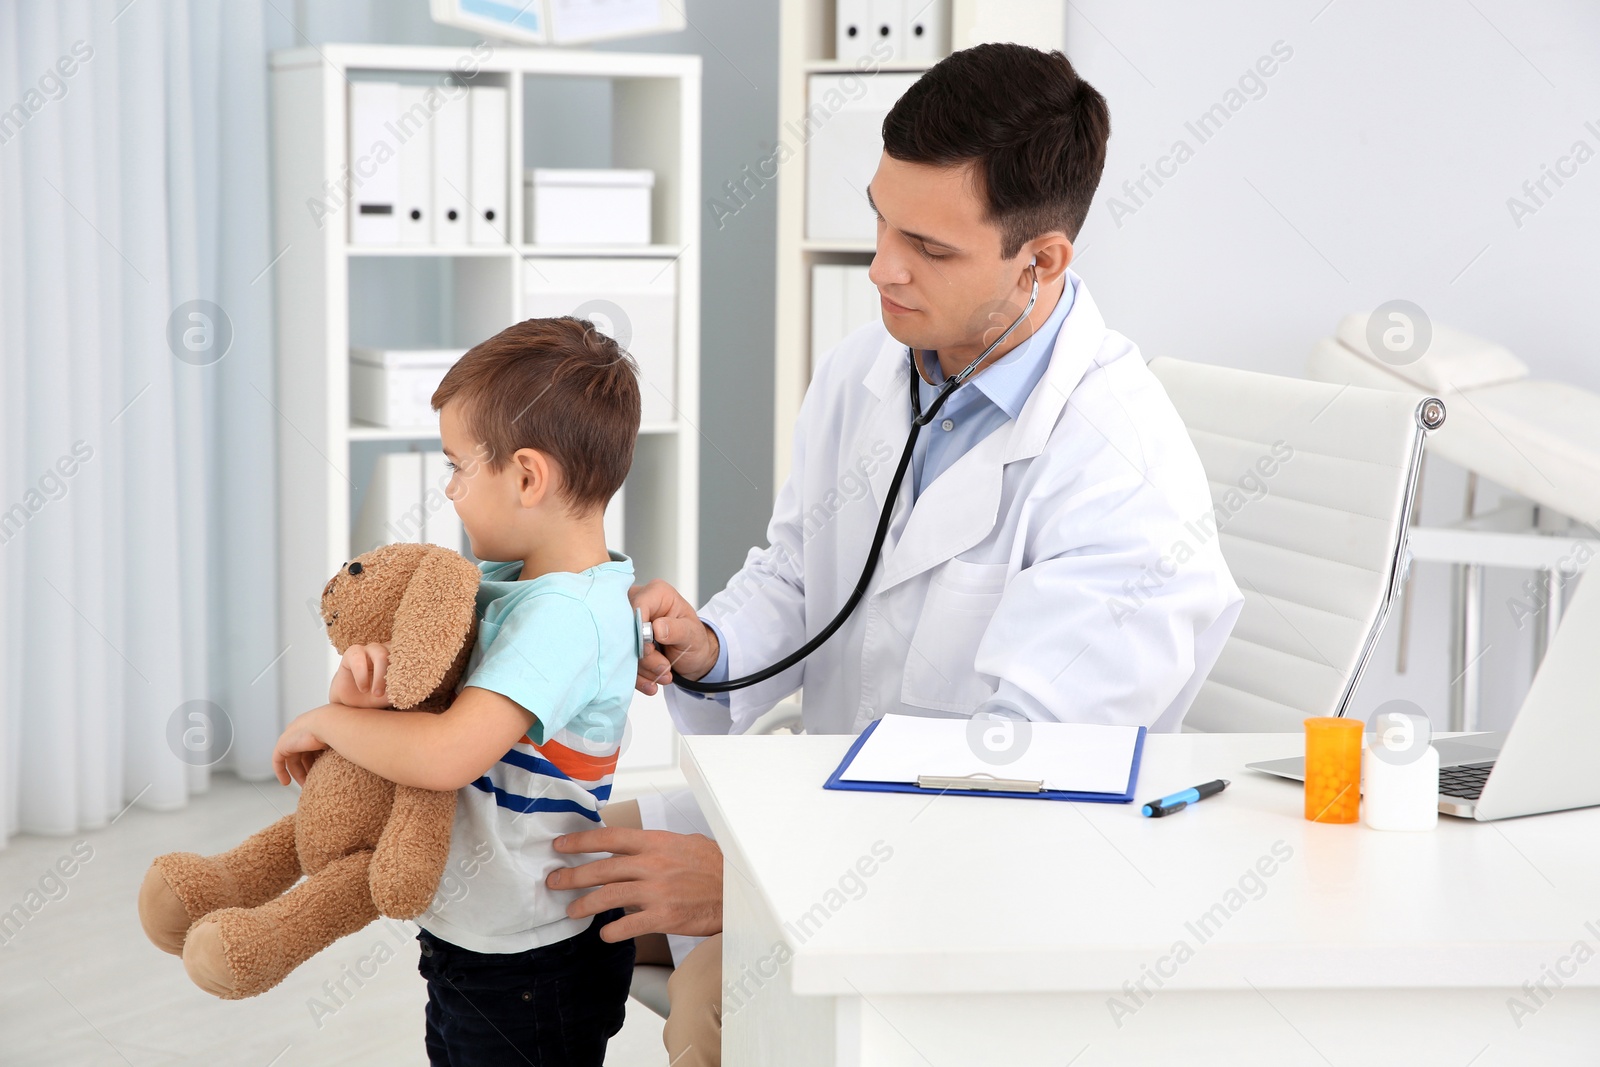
(80,984)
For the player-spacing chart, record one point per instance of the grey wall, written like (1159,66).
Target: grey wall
(739,45)
(738,42)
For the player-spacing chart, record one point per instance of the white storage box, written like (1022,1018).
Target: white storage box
(846,113)
(394,386)
(588,207)
(633,301)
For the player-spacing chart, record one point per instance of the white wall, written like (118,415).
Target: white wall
(1374,163)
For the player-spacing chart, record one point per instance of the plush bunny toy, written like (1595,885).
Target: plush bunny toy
(368,846)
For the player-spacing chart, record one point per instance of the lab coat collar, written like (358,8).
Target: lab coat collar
(960,507)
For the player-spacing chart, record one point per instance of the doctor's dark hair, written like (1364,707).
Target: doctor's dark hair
(1036,131)
(559,386)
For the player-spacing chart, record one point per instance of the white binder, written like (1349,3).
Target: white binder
(441,524)
(451,155)
(827,310)
(490,226)
(374,166)
(861,303)
(392,510)
(852,28)
(406,501)
(412,127)
(927,29)
(888,27)
(842,298)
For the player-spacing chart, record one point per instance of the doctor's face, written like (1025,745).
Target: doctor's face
(938,269)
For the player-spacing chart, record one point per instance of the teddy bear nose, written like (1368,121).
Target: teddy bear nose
(355,568)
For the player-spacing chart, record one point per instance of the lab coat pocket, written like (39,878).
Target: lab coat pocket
(962,598)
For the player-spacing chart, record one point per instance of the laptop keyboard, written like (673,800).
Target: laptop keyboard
(1465,781)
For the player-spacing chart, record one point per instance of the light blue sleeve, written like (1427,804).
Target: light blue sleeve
(719,670)
(546,658)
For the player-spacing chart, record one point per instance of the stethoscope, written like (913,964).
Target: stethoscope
(919,419)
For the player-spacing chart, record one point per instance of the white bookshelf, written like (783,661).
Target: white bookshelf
(328,289)
(806,47)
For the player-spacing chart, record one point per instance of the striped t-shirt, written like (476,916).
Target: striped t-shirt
(563,646)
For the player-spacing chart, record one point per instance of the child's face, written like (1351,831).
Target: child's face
(500,511)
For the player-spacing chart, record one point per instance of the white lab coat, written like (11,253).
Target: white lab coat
(1054,566)
(1062,565)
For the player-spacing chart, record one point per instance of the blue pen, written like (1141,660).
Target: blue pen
(1178,801)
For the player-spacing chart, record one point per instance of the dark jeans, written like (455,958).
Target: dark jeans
(554,1006)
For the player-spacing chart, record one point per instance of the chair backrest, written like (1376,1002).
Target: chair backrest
(1312,485)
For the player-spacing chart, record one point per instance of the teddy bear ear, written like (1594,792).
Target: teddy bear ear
(431,625)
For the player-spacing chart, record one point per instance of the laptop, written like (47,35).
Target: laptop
(1546,761)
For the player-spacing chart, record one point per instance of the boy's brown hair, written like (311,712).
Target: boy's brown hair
(559,386)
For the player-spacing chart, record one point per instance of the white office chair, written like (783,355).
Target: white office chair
(1313,486)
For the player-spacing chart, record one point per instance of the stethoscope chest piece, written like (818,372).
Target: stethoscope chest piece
(644,634)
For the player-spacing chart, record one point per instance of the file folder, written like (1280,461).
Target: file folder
(441,524)
(451,156)
(490,226)
(406,501)
(374,170)
(927,29)
(888,27)
(951,765)
(412,127)
(827,310)
(852,19)
(392,510)
(861,303)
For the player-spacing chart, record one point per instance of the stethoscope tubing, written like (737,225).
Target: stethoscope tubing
(918,421)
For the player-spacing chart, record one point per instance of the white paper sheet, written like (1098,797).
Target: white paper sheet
(1079,757)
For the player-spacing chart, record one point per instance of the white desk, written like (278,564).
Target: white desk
(998,931)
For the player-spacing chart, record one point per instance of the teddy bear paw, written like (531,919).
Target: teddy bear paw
(162,912)
(230,954)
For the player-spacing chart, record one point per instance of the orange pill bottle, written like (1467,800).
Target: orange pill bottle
(1333,769)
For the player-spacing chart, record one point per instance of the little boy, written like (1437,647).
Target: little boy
(538,423)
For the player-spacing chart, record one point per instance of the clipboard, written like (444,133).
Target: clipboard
(981,785)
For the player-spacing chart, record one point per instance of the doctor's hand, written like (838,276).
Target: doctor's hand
(669,883)
(684,645)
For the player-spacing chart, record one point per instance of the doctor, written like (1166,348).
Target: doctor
(1037,561)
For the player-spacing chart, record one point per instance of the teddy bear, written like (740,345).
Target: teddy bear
(243,919)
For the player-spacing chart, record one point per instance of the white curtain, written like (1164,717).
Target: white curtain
(137,518)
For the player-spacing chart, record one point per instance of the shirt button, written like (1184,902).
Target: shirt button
(948,424)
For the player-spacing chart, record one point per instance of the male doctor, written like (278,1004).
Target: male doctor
(1036,562)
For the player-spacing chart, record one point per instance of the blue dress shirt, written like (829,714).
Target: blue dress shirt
(987,401)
